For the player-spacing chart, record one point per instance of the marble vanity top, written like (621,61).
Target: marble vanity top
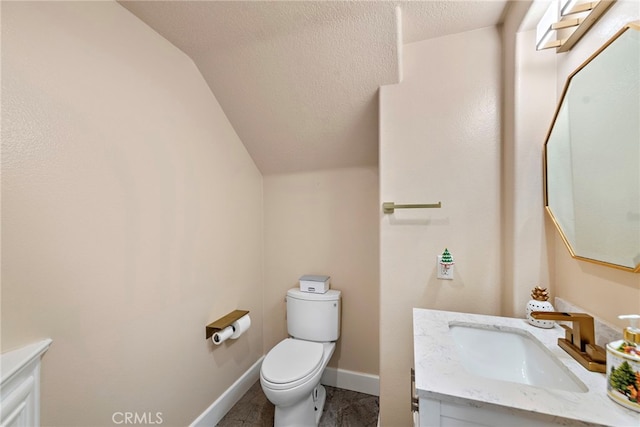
(440,375)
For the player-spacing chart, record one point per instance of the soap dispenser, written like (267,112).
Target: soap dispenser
(623,366)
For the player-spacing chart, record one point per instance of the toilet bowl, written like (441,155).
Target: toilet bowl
(291,371)
(290,378)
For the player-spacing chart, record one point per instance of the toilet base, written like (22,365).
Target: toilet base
(321,397)
(306,413)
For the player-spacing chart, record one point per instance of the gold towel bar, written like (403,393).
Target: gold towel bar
(389,207)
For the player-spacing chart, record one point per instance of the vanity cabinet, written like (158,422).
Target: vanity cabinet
(438,413)
(20,385)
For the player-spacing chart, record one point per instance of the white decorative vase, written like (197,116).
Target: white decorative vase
(539,303)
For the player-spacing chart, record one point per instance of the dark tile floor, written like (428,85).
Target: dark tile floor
(343,408)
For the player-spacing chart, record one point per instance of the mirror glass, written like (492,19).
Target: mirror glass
(592,156)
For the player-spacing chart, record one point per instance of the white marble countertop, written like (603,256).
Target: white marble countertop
(13,361)
(440,375)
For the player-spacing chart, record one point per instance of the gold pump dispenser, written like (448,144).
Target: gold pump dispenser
(631,333)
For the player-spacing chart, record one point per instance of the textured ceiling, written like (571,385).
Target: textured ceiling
(299,80)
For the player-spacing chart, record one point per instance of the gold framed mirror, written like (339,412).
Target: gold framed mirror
(592,156)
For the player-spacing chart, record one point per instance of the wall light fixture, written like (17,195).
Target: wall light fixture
(566,21)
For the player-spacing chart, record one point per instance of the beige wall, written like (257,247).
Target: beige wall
(538,80)
(326,223)
(439,141)
(529,84)
(131,216)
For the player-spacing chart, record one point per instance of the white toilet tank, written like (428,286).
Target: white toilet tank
(313,317)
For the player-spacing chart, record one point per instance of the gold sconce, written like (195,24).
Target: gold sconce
(566,21)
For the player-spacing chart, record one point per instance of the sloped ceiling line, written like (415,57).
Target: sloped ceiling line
(298,80)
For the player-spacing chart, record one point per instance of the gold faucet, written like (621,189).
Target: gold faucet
(579,340)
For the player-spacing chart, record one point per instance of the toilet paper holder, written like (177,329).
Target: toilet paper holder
(224,322)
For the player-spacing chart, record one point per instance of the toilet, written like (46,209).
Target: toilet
(291,371)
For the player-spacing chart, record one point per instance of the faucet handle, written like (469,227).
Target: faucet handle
(597,353)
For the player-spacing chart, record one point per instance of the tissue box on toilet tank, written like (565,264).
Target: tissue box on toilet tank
(315,283)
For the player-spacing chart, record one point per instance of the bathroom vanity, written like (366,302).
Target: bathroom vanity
(528,381)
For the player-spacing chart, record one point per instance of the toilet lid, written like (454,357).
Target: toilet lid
(291,360)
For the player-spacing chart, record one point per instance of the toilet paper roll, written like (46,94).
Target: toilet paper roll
(240,326)
(223,335)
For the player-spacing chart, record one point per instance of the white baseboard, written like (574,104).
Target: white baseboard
(350,380)
(218,409)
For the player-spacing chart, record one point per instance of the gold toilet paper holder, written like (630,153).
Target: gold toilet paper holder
(224,322)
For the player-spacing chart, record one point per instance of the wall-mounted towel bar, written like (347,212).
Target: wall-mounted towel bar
(390,207)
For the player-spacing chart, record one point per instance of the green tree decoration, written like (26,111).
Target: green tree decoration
(446,257)
(623,379)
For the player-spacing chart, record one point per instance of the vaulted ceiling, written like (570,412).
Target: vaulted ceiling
(299,80)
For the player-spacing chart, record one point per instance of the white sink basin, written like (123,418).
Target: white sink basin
(511,354)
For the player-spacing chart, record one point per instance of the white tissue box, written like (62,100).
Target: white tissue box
(315,284)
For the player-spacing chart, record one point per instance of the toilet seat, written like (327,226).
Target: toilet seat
(291,362)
